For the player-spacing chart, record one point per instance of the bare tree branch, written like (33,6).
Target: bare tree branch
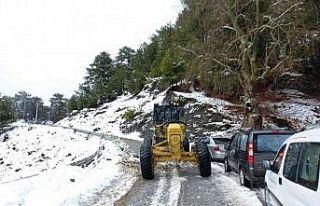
(187,50)
(228,27)
(286,11)
(213,59)
(270,70)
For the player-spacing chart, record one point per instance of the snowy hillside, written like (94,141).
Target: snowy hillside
(296,107)
(36,167)
(204,115)
(36,159)
(108,118)
(45,148)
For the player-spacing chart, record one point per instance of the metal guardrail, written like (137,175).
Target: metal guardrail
(101,135)
(21,178)
(88,160)
(82,162)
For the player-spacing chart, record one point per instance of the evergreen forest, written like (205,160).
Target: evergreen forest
(227,48)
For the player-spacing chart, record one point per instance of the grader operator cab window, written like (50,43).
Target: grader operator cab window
(166,114)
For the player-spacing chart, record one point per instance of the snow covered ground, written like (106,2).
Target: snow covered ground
(36,167)
(35,160)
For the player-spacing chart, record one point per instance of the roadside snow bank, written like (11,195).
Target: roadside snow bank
(35,168)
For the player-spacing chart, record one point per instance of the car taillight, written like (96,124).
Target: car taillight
(216,148)
(250,153)
(275,131)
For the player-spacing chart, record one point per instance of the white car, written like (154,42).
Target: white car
(49,123)
(293,177)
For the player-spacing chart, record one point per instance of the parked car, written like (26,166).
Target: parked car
(292,177)
(216,148)
(247,149)
(49,123)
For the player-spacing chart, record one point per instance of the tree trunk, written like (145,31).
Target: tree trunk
(252,120)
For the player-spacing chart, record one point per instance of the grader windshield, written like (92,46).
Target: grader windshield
(166,113)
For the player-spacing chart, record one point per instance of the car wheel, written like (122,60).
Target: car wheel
(226,166)
(242,179)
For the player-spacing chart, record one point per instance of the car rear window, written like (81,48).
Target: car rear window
(221,140)
(269,142)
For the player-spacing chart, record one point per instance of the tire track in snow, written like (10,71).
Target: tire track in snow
(168,190)
(183,186)
(175,188)
(160,190)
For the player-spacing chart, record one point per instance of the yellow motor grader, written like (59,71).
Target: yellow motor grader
(169,143)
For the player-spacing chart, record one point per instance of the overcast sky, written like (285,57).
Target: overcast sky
(45,45)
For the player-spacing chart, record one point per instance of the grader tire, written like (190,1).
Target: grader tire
(146,160)
(204,159)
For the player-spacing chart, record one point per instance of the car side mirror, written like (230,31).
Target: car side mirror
(267,164)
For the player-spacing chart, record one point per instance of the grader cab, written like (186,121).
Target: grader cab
(169,143)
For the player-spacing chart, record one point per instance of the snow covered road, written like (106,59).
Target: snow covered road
(181,184)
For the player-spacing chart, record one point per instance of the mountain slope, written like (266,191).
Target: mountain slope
(204,115)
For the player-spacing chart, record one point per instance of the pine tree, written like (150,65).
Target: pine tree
(123,70)
(97,88)
(140,71)
(72,104)
(36,106)
(58,107)
(6,109)
(23,105)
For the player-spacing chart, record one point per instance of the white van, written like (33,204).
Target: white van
(292,179)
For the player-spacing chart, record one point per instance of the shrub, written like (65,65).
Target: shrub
(130,114)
